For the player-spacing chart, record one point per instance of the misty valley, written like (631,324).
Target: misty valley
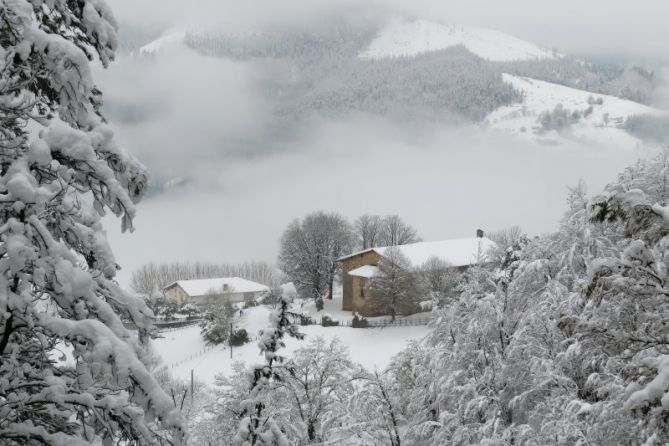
(334,223)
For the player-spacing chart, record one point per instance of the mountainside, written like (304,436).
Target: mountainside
(168,40)
(402,38)
(550,111)
(422,70)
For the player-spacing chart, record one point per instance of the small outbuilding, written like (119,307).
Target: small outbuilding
(203,292)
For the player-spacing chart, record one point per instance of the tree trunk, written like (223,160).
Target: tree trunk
(330,286)
(311,431)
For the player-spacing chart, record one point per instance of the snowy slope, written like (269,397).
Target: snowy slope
(183,350)
(603,124)
(169,40)
(410,38)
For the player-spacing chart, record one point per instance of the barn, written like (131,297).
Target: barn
(359,267)
(203,292)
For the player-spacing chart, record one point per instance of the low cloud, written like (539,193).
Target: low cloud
(634,29)
(210,120)
(446,182)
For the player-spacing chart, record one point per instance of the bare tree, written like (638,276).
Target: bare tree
(394,231)
(439,278)
(310,249)
(395,290)
(315,383)
(506,237)
(368,230)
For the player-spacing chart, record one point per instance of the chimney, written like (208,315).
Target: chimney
(479,233)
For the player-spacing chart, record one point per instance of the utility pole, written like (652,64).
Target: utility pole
(191,386)
(230,340)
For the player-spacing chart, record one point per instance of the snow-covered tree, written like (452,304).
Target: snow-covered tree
(60,171)
(316,384)
(216,321)
(438,279)
(396,288)
(257,425)
(372,416)
(310,249)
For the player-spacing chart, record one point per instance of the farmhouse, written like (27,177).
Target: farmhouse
(358,268)
(203,292)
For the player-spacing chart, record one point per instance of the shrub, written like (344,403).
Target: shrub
(319,304)
(327,321)
(239,337)
(359,322)
(306,319)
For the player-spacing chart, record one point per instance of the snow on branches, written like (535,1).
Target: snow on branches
(257,428)
(57,287)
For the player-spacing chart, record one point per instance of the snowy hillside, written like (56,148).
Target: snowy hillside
(169,40)
(410,38)
(600,117)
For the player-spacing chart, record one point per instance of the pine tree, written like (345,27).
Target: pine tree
(215,325)
(60,170)
(257,426)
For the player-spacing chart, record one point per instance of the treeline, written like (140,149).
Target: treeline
(444,84)
(653,128)
(633,83)
(451,85)
(332,79)
(150,279)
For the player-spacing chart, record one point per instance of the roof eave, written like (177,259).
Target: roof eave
(365,251)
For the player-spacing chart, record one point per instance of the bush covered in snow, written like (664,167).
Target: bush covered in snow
(239,337)
(328,321)
(216,322)
(359,321)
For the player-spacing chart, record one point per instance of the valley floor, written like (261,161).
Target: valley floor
(183,350)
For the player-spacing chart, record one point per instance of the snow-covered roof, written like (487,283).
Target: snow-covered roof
(201,287)
(457,252)
(366,271)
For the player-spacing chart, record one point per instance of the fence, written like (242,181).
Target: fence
(376,323)
(175,325)
(165,326)
(398,322)
(195,355)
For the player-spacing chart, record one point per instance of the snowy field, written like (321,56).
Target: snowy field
(402,38)
(602,125)
(183,350)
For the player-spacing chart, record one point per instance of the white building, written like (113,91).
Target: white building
(206,291)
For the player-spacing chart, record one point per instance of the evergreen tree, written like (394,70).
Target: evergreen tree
(215,325)
(60,170)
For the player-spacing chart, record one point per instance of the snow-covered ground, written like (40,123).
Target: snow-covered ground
(602,125)
(183,350)
(167,41)
(410,38)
